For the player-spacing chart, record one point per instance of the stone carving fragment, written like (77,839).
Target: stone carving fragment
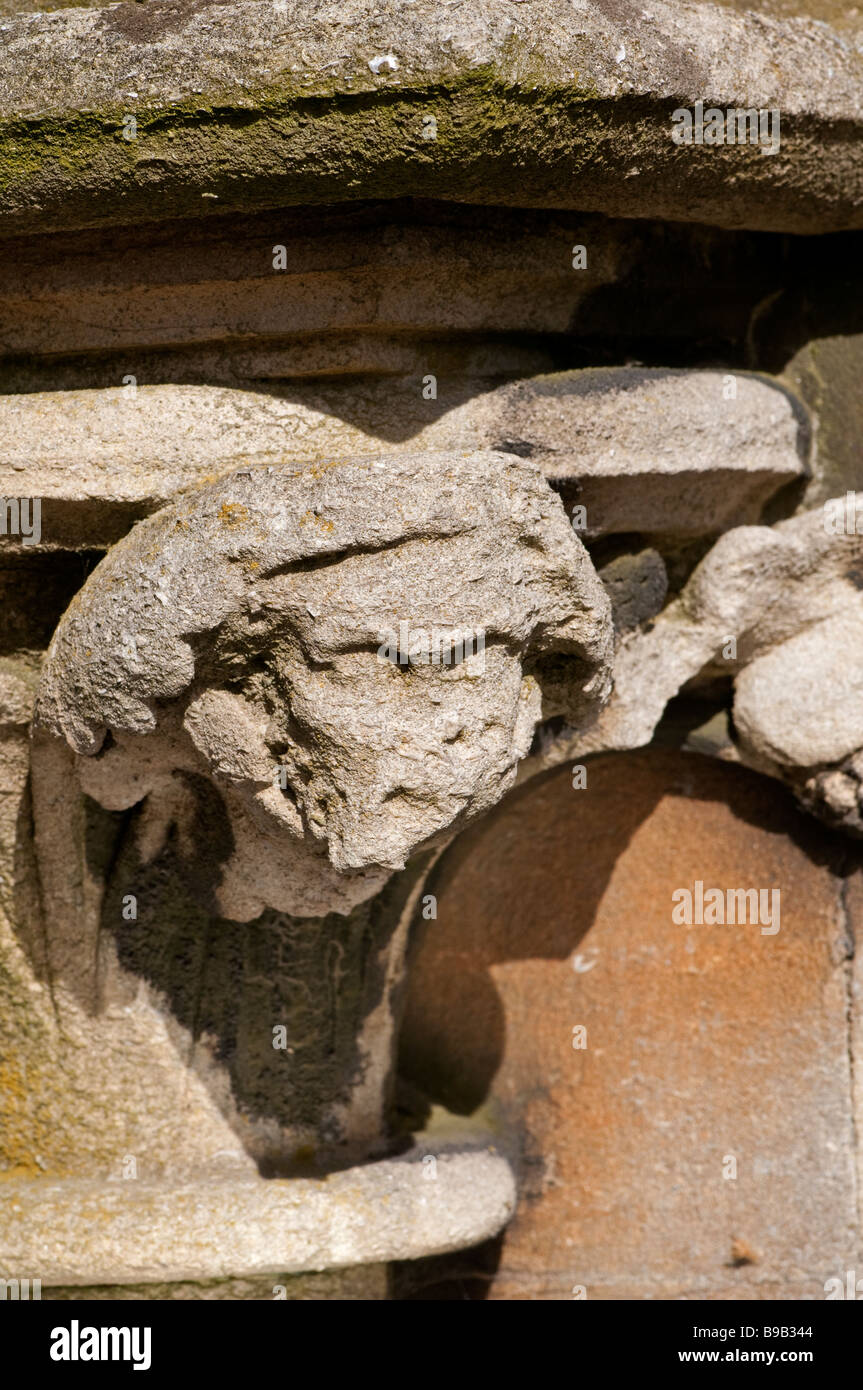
(354,653)
(781,610)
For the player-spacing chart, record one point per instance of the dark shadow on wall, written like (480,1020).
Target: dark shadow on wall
(464,1276)
(229,984)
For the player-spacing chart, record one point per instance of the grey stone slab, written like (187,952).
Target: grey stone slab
(542,103)
(640,450)
(134,1232)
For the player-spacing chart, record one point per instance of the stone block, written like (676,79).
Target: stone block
(700,1145)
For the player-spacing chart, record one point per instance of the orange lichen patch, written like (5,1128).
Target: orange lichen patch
(23,1133)
(742,1254)
(233,514)
(314,519)
(316,468)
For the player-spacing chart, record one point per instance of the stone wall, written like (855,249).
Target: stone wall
(431,701)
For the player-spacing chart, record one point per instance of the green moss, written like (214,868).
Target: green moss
(287,141)
(511,132)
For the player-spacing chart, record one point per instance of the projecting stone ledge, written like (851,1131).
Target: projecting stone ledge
(674,452)
(545,104)
(680,452)
(80,1232)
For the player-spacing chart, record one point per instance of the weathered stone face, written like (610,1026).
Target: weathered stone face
(356,653)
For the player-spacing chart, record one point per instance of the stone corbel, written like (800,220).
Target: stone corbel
(272,696)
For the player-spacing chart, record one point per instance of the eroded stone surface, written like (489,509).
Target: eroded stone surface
(535,103)
(243,630)
(780,610)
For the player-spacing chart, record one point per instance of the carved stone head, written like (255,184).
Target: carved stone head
(354,653)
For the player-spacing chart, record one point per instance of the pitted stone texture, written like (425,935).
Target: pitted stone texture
(780,610)
(703,1043)
(135,1231)
(835,12)
(659,451)
(640,450)
(543,103)
(240,631)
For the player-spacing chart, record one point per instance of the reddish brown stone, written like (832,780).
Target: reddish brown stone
(704,1043)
